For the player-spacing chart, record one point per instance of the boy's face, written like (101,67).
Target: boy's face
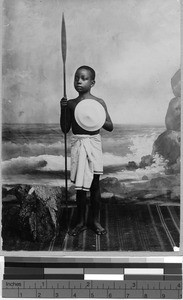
(83,81)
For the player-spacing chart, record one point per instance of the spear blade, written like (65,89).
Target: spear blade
(63,40)
(64,50)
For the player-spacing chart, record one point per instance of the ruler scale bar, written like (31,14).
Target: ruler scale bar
(91,289)
(13,284)
(94,278)
(151,294)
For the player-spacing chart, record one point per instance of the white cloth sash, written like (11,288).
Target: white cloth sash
(86,159)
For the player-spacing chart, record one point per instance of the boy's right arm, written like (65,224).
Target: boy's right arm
(65,116)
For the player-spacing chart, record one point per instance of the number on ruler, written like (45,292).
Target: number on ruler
(110,295)
(163,296)
(39,295)
(92,295)
(74,295)
(56,295)
(127,295)
(145,295)
(87,284)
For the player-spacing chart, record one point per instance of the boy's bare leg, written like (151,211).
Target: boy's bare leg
(95,206)
(81,213)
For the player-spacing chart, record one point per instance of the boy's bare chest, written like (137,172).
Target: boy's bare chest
(73,104)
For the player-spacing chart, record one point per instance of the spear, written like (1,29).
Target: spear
(64,50)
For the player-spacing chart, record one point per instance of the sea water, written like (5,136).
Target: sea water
(34,153)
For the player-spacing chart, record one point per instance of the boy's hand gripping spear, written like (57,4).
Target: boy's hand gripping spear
(64,49)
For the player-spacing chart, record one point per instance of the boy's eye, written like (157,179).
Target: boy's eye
(82,78)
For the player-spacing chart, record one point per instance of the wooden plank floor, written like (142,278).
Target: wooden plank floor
(129,228)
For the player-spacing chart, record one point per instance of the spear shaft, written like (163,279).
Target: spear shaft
(64,50)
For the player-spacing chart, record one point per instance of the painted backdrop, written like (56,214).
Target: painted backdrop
(134,47)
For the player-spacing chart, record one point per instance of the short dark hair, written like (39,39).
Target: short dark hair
(89,69)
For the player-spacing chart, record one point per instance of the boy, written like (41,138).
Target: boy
(84,80)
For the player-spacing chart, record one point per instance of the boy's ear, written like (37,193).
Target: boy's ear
(93,83)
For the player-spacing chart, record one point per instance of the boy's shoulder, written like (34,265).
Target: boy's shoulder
(100,100)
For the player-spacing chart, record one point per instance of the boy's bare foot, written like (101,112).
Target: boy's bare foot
(77,230)
(98,229)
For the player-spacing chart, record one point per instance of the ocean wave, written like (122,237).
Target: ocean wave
(50,170)
(131,147)
(133,150)
(46,163)
(28,157)
(41,158)
(141,145)
(22,165)
(13,150)
(157,168)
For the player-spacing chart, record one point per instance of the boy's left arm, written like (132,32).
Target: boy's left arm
(108,125)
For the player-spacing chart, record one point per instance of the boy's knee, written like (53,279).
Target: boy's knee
(95,183)
(95,180)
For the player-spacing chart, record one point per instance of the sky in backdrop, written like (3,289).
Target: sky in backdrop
(133,45)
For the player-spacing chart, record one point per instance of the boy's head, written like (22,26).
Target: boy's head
(92,72)
(84,79)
